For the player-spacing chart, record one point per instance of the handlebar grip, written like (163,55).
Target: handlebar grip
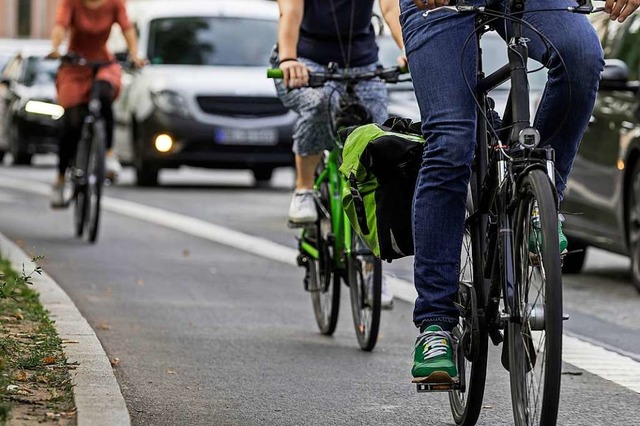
(275,73)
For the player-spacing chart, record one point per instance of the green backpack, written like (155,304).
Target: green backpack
(381,165)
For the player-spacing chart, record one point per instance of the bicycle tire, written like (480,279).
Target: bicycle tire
(325,297)
(365,297)
(95,179)
(80,186)
(471,357)
(536,326)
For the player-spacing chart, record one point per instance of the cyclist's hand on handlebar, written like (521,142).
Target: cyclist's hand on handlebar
(139,62)
(55,54)
(296,74)
(621,9)
(403,63)
(430,4)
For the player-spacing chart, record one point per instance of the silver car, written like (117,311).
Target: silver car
(204,100)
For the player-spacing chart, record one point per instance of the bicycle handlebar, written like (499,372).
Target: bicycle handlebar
(317,79)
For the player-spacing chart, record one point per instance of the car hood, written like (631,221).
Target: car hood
(213,80)
(40,92)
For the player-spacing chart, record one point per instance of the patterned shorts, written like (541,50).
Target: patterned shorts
(312,132)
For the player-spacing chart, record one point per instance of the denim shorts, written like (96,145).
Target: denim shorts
(316,107)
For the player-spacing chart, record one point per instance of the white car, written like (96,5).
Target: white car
(204,99)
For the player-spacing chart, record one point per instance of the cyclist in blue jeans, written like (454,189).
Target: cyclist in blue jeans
(438,65)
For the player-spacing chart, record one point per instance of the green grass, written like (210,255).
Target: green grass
(31,354)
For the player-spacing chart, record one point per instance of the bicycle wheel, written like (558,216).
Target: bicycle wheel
(78,175)
(95,179)
(535,328)
(364,274)
(324,279)
(471,353)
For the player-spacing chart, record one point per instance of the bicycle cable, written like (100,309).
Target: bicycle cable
(550,46)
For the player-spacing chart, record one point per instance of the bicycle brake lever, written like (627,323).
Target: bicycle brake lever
(460,8)
(585,7)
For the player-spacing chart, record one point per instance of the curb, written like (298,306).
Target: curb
(96,392)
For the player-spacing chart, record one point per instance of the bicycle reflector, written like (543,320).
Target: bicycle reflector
(164,143)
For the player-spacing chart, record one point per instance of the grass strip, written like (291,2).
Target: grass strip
(35,385)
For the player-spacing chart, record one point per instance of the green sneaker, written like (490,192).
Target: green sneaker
(433,359)
(536,238)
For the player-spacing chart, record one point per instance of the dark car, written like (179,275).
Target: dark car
(204,100)
(602,200)
(30,118)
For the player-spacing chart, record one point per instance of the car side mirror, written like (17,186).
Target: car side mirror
(615,75)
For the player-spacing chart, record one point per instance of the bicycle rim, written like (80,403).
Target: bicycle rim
(364,272)
(471,356)
(95,180)
(325,297)
(535,337)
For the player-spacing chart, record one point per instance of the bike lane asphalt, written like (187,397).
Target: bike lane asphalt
(206,334)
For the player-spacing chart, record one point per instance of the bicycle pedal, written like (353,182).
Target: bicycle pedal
(437,387)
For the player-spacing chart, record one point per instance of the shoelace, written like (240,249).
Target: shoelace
(435,343)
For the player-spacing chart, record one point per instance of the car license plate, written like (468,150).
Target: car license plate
(231,136)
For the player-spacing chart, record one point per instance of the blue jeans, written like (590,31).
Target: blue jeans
(434,49)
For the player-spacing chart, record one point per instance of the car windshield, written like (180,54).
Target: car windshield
(494,56)
(40,71)
(211,41)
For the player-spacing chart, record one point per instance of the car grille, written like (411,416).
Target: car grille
(233,106)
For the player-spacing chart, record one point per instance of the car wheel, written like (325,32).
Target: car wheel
(19,154)
(262,175)
(574,261)
(633,224)
(2,153)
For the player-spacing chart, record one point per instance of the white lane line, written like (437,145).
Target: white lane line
(609,365)
(602,363)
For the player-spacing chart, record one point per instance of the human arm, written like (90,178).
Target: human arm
(131,38)
(130,35)
(62,23)
(621,9)
(391,14)
(295,73)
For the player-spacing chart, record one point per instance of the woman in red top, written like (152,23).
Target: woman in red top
(88,23)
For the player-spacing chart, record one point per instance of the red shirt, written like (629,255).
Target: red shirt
(90,28)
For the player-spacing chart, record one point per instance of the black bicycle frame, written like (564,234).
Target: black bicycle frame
(492,171)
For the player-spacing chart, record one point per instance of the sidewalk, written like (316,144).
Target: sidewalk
(96,392)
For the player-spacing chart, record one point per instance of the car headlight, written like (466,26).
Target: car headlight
(54,111)
(170,102)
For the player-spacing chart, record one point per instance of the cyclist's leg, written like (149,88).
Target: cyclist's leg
(105,92)
(108,84)
(568,100)
(438,66)
(311,136)
(68,144)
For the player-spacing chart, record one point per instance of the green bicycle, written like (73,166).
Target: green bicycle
(330,249)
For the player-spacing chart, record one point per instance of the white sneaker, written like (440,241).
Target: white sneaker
(386,298)
(57,196)
(113,167)
(302,210)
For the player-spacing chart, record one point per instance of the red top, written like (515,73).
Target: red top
(90,28)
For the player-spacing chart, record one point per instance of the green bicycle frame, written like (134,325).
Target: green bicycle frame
(340,222)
